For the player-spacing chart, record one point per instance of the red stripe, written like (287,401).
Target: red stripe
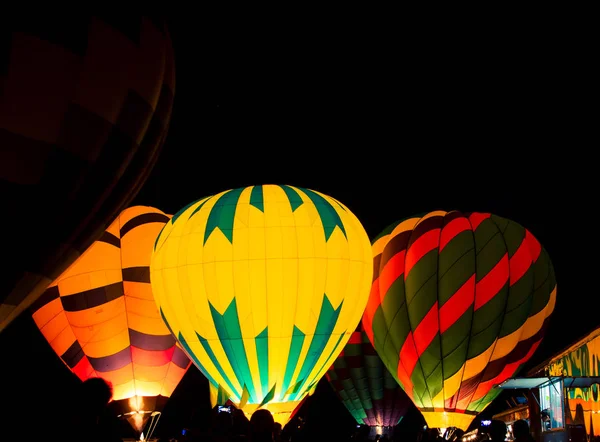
(476,218)
(151,358)
(392,270)
(407,363)
(427,329)
(424,244)
(83,369)
(452,229)
(372,305)
(491,283)
(535,248)
(520,262)
(507,372)
(450,403)
(465,395)
(457,305)
(355,338)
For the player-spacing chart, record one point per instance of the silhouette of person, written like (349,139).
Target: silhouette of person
(497,431)
(91,420)
(521,431)
(262,425)
(222,425)
(241,425)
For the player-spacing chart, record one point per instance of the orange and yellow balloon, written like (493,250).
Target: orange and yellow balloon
(99,316)
(263,286)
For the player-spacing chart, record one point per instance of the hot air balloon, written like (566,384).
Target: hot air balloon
(99,316)
(84,110)
(459,302)
(262,286)
(366,387)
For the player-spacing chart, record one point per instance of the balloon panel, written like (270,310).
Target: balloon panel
(263,287)
(99,316)
(84,112)
(458,303)
(581,359)
(365,386)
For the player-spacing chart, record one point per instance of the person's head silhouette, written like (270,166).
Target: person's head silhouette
(498,431)
(95,395)
(521,429)
(262,425)
(91,418)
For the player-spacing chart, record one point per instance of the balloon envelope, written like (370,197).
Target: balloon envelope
(84,110)
(458,303)
(365,386)
(263,286)
(99,316)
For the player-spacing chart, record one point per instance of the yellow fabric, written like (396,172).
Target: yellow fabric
(279,267)
(445,419)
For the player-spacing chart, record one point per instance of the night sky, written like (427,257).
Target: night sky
(390,127)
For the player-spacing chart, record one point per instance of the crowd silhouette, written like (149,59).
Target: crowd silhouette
(94,421)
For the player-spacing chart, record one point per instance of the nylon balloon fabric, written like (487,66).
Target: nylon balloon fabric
(100,318)
(458,303)
(365,386)
(84,110)
(263,286)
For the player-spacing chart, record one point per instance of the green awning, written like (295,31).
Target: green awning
(527,383)
(569,382)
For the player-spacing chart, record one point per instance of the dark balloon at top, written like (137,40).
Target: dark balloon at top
(85,105)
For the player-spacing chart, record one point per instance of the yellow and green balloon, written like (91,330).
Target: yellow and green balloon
(263,287)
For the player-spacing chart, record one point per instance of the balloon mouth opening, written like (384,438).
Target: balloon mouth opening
(138,419)
(448,419)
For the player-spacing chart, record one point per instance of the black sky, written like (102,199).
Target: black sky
(391,126)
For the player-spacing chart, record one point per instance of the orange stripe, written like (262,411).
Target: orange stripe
(424,244)
(507,372)
(427,329)
(476,218)
(457,305)
(491,283)
(520,262)
(452,229)
(535,248)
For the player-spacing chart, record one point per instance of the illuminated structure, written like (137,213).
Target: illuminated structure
(459,302)
(99,316)
(569,386)
(263,287)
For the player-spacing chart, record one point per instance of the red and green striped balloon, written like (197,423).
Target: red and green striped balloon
(458,303)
